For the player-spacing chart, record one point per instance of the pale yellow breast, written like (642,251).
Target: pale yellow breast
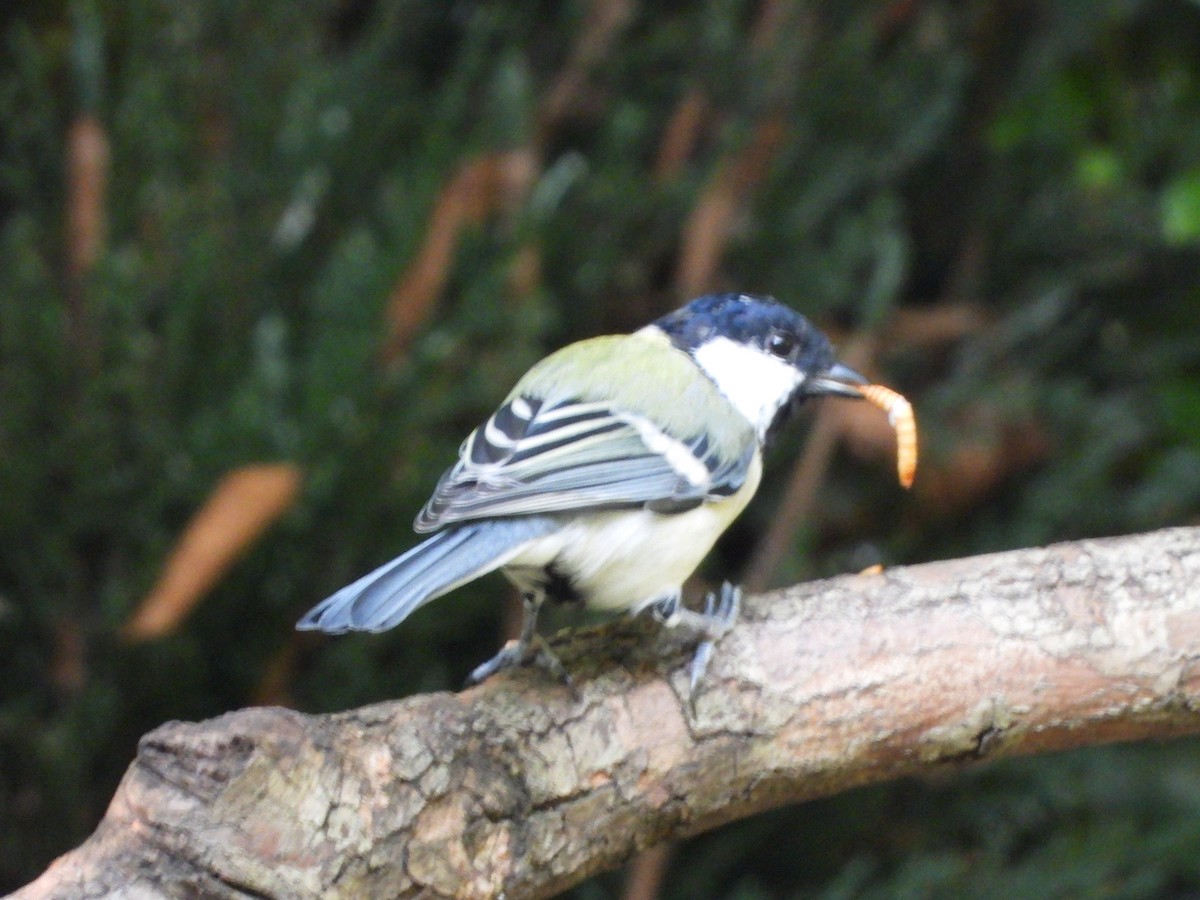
(625,559)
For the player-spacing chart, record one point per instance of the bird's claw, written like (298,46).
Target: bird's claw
(518,653)
(720,613)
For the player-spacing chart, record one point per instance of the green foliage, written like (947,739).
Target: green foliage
(275,169)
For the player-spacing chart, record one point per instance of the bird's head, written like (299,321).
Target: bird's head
(763,356)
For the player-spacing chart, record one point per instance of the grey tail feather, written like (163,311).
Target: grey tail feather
(385,597)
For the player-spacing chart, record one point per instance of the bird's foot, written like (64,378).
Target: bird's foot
(523,653)
(720,613)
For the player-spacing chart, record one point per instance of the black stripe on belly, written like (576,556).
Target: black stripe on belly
(559,587)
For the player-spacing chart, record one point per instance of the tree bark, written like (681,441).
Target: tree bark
(517,789)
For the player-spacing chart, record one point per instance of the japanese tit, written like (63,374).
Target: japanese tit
(608,473)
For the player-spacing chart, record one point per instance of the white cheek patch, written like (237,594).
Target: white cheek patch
(756,383)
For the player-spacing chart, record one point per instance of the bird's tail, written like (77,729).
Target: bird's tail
(384,598)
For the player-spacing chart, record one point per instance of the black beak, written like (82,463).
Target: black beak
(837,381)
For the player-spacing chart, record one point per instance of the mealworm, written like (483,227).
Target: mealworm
(900,416)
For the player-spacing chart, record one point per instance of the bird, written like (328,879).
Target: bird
(607,474)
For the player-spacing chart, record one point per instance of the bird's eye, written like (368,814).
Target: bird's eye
(781,344)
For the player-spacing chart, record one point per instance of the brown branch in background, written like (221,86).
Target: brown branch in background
(681,134)
(495,183)
(478,189)
(894,16)
(782,36)
(740,172)
(87,185)
(773,44)
(647,873)
(708,228)
(274,686)
(516,789)
(965,277)
(525,271)
(68,665)
(932,328)
(771,16)
(241,507)
(603,23)
(987,451)
(86,181)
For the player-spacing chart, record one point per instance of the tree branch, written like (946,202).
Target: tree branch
(515,789)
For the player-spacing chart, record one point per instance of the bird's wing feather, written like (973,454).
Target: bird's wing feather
(534,456)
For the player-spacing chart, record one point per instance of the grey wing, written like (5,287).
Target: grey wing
(534,456)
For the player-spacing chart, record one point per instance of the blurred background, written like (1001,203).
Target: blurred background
(264,265)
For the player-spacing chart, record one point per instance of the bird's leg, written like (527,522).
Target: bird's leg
(528,649)
(720,612)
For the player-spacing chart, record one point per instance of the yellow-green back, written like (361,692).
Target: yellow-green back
(645,374)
